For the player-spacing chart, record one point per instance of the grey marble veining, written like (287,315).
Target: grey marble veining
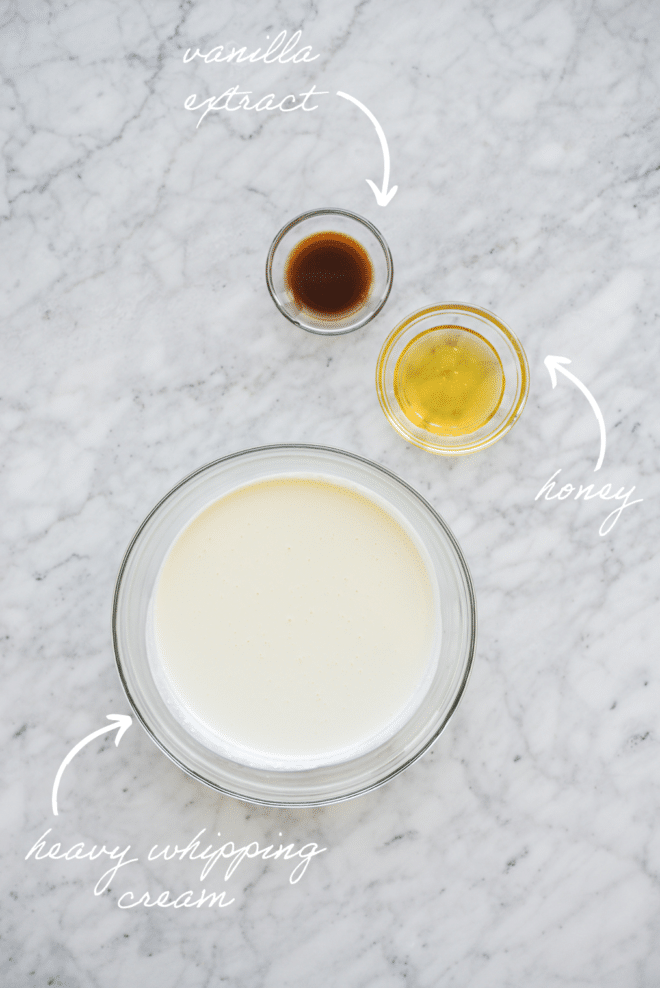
(139,342)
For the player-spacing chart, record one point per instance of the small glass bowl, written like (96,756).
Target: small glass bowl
(335,221)
(507,347)
(287,786)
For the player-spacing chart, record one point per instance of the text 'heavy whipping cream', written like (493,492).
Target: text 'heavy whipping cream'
(295,623)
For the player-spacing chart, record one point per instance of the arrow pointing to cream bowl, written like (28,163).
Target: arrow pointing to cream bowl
(555,364)
(121,725)
(383,197)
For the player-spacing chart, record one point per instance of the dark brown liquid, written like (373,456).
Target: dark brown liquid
(329,273)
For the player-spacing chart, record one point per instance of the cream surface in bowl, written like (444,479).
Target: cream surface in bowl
(326,705)
(296,623)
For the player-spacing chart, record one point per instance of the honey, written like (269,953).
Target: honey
(449,381)
(329,274)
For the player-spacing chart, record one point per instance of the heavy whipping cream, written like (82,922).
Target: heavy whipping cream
(295,623)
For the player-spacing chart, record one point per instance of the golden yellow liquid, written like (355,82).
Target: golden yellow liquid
(449,381)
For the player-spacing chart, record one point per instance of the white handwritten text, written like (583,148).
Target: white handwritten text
(265,103)
(269,56)
(588,493)
(233,853)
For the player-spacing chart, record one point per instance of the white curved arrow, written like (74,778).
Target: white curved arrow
(123,722)
(382,195)
(554,364)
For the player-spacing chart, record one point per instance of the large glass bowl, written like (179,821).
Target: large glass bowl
(455,620)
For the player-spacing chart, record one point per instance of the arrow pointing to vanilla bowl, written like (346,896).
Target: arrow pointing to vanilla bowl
(383,197)
(555,364)
(121,725)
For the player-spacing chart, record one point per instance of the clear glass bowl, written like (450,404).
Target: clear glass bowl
(336,221)
(133,631)
(505,344)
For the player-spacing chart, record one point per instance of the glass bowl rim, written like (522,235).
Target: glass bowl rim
(470,601)
(522,392)
(329,211)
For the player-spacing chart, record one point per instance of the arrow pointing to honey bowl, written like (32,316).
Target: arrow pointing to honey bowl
(123,722)
(383,197)
(555,364)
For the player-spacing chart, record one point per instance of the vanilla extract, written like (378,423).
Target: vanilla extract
(329,274)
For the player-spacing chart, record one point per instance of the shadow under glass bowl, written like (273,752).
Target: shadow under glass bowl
(348,224)
(500,342)
(133,628)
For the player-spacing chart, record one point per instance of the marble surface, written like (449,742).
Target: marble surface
(139,342)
